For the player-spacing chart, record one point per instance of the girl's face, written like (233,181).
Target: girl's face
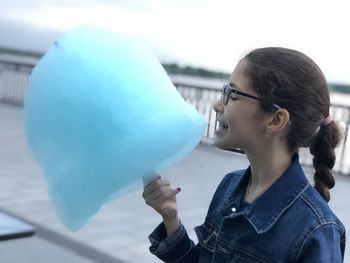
(241,122)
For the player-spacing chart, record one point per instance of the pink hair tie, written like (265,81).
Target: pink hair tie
(327,120)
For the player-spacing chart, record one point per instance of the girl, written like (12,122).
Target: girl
(276,101)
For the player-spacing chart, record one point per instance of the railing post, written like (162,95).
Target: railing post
(343,151)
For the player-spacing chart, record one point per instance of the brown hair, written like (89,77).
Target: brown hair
(292,80)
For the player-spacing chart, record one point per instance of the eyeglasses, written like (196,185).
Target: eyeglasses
(228,90)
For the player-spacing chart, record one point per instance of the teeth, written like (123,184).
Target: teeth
(223,125)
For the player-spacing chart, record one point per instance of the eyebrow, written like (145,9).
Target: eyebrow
(233,85)
(242,93)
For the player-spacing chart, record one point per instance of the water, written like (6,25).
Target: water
(340,98)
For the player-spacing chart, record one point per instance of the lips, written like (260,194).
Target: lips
(222,126)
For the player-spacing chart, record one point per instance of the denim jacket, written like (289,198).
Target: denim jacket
(290,222)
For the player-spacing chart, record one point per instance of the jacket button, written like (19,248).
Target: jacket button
(233,209)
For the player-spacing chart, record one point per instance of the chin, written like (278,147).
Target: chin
(221,144)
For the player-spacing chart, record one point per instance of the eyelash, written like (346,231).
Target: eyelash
(233,98)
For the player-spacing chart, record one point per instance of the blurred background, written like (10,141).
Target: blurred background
(199,44)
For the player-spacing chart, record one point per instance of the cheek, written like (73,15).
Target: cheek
(234,118)
(241,123)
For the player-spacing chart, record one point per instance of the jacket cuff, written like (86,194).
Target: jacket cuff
(172,248)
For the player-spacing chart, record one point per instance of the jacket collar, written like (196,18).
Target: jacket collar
(266,209)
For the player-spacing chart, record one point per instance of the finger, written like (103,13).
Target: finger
(159,183)
(150,178)
(163,194)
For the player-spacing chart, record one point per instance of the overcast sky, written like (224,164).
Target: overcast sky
(208,33)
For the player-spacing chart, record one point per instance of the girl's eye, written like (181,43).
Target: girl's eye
(233,98)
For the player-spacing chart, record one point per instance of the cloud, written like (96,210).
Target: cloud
(26,37)
(212,34)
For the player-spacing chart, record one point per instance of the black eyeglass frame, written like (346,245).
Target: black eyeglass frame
(228,89)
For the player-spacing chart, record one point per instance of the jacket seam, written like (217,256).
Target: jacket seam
(313,207)
(309,233)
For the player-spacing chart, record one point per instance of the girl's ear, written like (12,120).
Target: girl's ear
(278,121)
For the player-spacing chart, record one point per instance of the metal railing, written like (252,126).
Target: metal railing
(14,78)
(202,94)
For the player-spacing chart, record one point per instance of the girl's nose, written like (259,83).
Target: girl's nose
(218,106)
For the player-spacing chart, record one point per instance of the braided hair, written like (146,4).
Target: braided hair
(322,148)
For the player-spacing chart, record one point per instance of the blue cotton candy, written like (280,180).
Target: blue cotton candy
(100,113)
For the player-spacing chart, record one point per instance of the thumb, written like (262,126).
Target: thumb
(176,191)
(173,193)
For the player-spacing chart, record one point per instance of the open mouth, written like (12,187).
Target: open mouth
(222,125)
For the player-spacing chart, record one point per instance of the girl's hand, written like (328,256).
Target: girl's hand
(159,195)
